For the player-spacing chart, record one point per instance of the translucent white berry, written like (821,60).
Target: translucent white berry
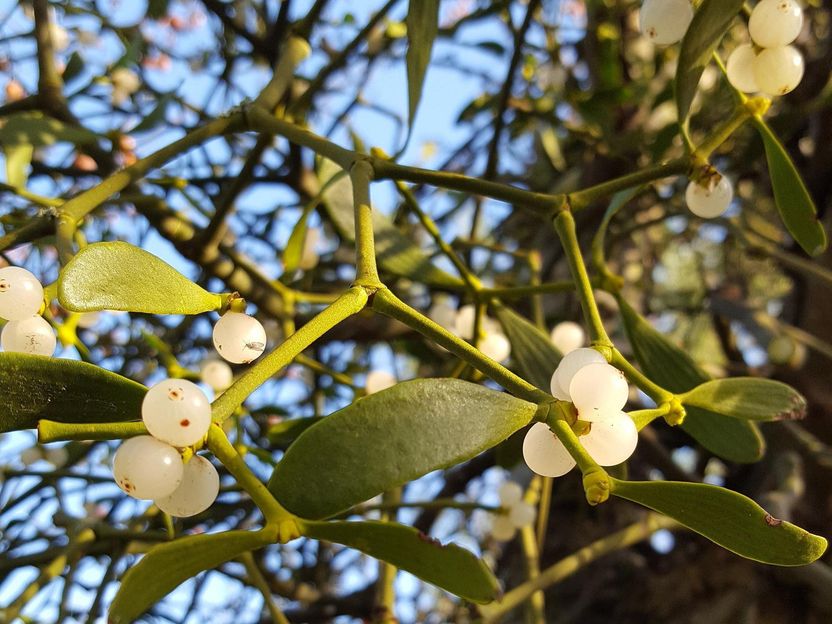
(740,68)
(572,363)
(502,528)
(443,314)
(598,391)
(57,456)
(464,324)
(176,411)
(544,453)
(778,70)
(709,201)
(33,336)
(31,455)
(611,441)
(522,514)
(379,380)
(21,294)
(147,468)
(775,23)
(568,336)
(216,374)
(510,493)
(496,346)
(558,392)
(665,21)
(197,491)
(239,338)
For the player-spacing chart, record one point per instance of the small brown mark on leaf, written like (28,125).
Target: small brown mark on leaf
(772,521)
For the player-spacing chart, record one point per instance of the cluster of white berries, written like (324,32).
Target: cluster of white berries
(177,415)
(239,338)
(518,515)
(21,298)
(599,392)
(770,65)
(492,341)
(665,22)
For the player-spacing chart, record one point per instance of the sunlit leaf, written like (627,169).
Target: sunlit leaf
(422,26)
(751,398)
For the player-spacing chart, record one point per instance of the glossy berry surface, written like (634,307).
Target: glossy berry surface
(709,202)
(197,491)
(611,441)
(33,336)
(779,70)
(598,391)
(775,23)
(239,338)
(147,468)
(740,69)
(21,294)
(544,454)
(572,363)
(176,411)
(216,374)
(568,336)
(665,22)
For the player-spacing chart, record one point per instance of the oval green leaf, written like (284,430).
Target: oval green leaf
(35,387)
(535,355)
(672,368)
(710,23)
(796,207)
(449,566)
(395,252)
(422,25)
(390,438)
(119,276)
(166,566)
(727,518)
(750,398)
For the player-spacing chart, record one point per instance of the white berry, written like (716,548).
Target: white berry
(147,468)
(443,314)
(33,336)
(559,393)
(510,494)
(21,294)
(522,514)
(239,338)
(197,492)
(544,453)
(568,336)
(665,22)
(176,411)
(573,362)
(612,441)
(740,68)
(775,23)
(502,528)
(598,391)
(379,380)
(778,70)
(216,374)
(709,201)
(465,319)
(496,346)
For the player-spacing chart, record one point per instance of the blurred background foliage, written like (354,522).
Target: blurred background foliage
(550,95)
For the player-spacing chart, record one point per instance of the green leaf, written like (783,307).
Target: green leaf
(727,518)
(18,158)
(422,25)
(287,431)
(119,276)
(34,387)
(535,355)
(673,369)
(450,567)
(390,438)
(396,252)
(74,67)
(710,23)
(168,565)
(750,398)
(797,210)
(37,130)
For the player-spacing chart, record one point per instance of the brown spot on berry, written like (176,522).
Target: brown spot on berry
(4,285)
(184,422)
(176,394)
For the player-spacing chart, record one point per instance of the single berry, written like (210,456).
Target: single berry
(379,380)
(502,528)
(522,514)
(464,323)
(778,70)
(496,346)
(598,391)
(709,201)
(57,456)
(559,393)
(176,411)
(510,494)
(443,314)
(775,23)
(216,374)
(33,336)
(31,455)
(568,336)
(740,68)
(665,22)
(611,441)
(544,453)
(197,491)
(147,468)
(239,338)
(572,363)
(21,294)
